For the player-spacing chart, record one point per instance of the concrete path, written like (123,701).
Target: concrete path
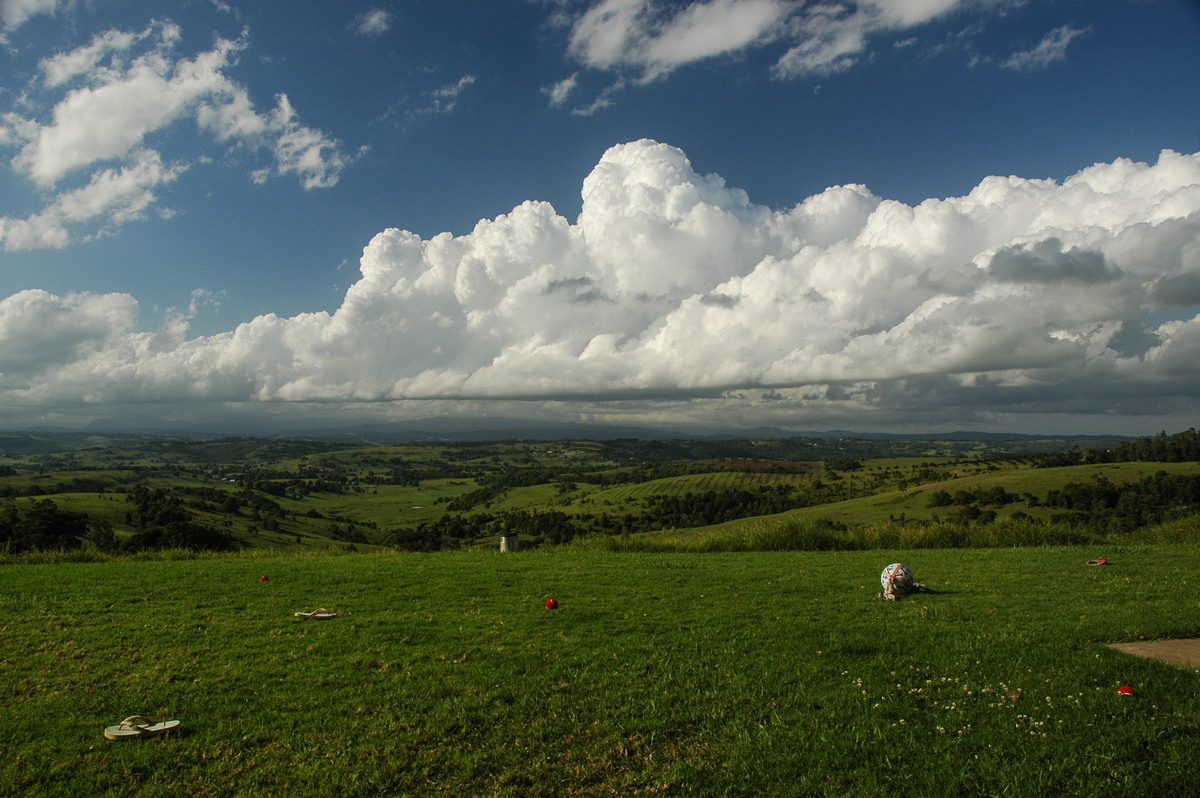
(1185,653)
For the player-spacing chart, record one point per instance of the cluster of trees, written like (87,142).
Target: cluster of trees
(396,476)
(1182,447)
(1100,502)
(532,527)
(493,486)
(295,487)
(447,532)
(714,507)
(1157,498)
(73,485)
(161,518)
(161,521)
(637,475)
(40,525)
(995,497)
(553,526)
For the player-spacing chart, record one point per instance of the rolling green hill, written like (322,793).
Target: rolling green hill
(266,493)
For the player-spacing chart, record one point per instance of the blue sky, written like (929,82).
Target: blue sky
(216,209)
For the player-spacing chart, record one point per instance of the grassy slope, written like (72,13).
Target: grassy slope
(391,506)
(913,502)
(754,674)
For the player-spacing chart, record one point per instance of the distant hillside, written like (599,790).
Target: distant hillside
(836,443)
(118,432)
(134,492)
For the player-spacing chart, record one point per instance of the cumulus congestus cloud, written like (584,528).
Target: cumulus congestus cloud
(670,283)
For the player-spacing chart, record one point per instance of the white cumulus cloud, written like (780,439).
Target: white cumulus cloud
(1024,293)
(97,119)
(41,332)
(115,196)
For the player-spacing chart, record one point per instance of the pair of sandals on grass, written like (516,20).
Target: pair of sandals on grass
(138,726)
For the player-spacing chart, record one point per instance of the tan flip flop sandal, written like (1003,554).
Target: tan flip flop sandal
(138,726)
(317,615)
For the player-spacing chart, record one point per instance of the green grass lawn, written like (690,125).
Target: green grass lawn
(719,674)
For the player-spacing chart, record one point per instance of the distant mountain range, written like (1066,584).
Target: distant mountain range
(490,428)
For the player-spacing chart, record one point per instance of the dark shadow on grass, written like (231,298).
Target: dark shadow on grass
(925,592)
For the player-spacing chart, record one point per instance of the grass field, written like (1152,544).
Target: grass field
(718,674)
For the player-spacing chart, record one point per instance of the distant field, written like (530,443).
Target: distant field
(741,674)
(308,495)
(914,502)
(699,483)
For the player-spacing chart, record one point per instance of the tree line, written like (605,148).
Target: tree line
(1182,447)
(538,527)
